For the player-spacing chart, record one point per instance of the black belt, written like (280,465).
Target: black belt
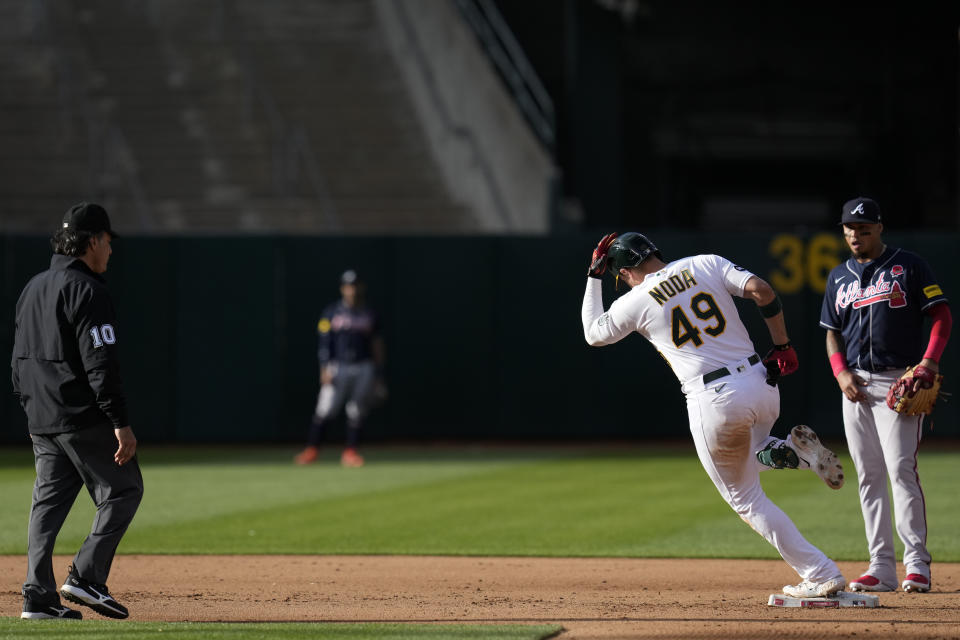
(723,371)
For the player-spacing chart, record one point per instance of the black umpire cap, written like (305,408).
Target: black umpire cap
(860,210)
(87,216)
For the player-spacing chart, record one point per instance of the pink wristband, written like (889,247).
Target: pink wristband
(838,363)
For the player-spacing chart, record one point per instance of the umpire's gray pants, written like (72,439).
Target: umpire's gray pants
(65,462)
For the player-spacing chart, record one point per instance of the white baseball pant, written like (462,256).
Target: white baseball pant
(730,420)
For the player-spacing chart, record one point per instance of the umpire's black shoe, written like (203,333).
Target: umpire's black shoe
(95,596)
(34,611)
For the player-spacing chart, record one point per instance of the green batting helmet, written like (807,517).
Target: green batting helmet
(629,250)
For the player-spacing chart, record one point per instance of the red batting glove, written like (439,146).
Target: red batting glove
(786,358)
(598,261)
(922,379)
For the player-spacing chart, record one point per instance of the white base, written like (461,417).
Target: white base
(841,599)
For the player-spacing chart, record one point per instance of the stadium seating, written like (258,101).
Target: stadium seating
(214,117)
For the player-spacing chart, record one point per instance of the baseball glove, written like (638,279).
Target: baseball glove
(915,392)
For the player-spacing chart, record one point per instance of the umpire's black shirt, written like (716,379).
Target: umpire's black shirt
(64,361)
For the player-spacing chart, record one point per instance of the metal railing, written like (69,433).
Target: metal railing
(511,62)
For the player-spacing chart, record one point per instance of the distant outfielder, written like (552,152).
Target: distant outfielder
(686,309)
(873,311)
(351,356)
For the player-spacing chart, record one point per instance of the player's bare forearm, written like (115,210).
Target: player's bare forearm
(777,327)
(326,374)
(834,343)
(763,295)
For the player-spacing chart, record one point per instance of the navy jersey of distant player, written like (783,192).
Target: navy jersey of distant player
(879,306)
(346,333)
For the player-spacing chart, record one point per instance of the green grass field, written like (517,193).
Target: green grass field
(652,501)
(644,502)
(105,630)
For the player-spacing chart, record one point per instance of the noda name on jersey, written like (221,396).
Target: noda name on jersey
(673,285)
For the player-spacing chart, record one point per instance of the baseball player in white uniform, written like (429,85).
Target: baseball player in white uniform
(686,309)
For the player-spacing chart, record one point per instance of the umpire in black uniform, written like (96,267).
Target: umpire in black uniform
(66,376)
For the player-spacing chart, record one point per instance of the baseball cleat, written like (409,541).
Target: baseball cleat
(351,458)
(867,582)
(822,461)
(33,611)
(96,596)
(807,589)
(306,456)
(778,455)
(916,583)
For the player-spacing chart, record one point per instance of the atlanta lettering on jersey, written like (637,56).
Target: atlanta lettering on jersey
(672,286)
(880,291)
(351,321)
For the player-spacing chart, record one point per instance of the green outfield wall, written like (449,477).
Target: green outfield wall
(483,334)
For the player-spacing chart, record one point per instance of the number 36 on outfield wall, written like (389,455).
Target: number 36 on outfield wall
(803,263)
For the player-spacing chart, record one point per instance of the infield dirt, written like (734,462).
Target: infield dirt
(591,598)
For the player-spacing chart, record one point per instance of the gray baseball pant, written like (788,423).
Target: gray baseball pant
(65,462)
(885,444)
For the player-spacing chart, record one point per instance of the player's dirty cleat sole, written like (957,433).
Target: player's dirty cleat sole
(916,583)
(76,589)
(778,455)
(808,589)
(822,461)
(33,611)
(867,582)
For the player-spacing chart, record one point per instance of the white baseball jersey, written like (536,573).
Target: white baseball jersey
(686,310)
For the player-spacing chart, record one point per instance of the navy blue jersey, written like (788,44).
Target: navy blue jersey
(878,307)
(346,334)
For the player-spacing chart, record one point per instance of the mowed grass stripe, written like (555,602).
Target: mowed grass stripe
(650,502)
(552,507)
(130,630)
(209,482)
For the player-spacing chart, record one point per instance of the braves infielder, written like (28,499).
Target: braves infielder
(350,353)
(873,311)
(686,309)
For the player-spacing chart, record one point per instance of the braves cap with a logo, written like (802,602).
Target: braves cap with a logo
(87,216)
(860,210)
